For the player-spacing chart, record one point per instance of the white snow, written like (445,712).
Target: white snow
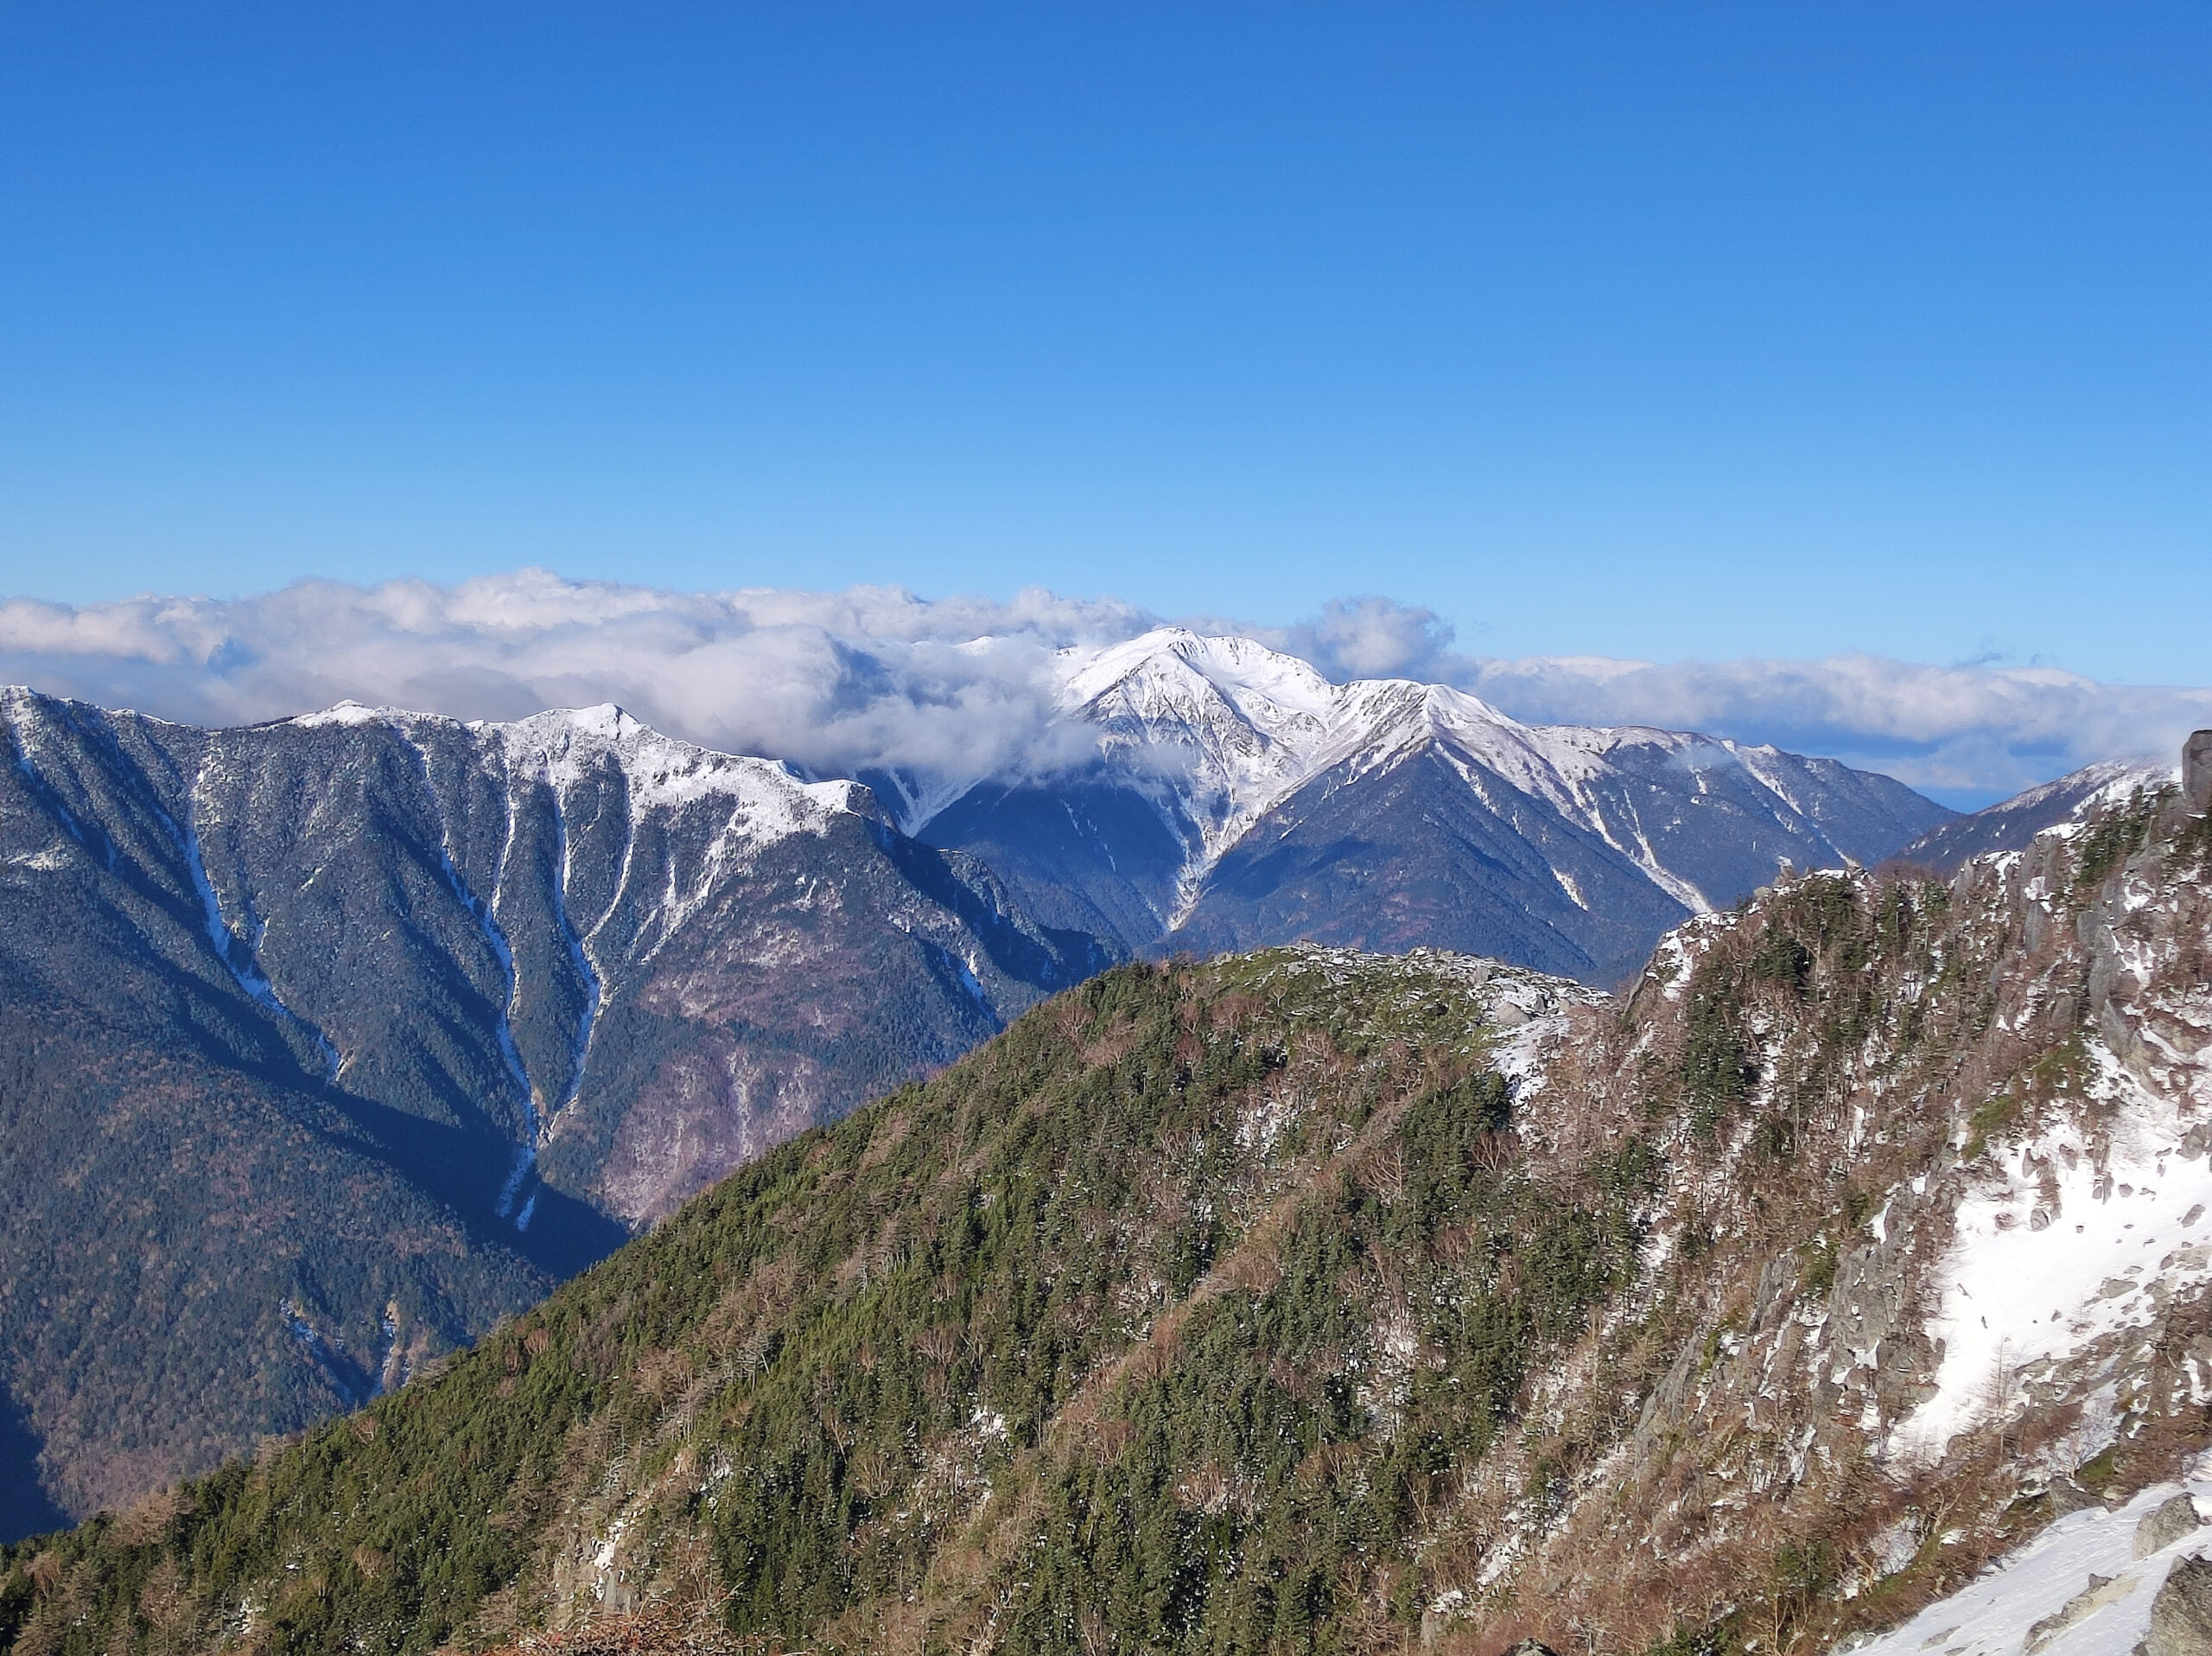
(1994,1615)
(2013,1294)
(768,802)
(347,713)
(561,746)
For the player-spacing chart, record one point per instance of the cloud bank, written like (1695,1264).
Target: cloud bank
(840,682)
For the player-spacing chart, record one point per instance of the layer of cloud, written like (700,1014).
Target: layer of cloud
(875,677)
(1966,733)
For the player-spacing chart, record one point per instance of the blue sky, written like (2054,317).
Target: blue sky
(1667,332)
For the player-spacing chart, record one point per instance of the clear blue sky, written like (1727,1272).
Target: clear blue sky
(1657,330)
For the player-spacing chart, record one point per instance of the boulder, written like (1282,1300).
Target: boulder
(2164,1525)
(2181,1616)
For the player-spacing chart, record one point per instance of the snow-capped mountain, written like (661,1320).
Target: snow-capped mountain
(2012,824)
(366,1027)
(1846,1287)
(380,1022)
(1240,799)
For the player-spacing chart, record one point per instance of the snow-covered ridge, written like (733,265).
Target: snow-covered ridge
(561,748)
(1255,726)
(2107,784)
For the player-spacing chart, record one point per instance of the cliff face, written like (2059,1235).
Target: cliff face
(1317,1300)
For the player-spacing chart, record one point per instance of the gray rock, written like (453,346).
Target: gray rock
(2161,1528)
(2087,1602)
(2196,770)
(2181,1616)
(2068,1496)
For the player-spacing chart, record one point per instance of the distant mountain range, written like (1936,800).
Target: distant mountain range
(2012,824)
(1240,800)
(326,1043)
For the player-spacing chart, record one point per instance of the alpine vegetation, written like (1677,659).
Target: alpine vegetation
(356,1031)
(1311,1299)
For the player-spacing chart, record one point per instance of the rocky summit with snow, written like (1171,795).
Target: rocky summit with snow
(1844,1282)
(1238,800)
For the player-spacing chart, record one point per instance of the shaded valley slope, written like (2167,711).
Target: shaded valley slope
(324,1044)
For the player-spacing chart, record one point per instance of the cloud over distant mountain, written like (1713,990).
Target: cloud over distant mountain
(838,681)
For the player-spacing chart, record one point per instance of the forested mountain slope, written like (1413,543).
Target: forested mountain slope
(324,1044)
(1319,1301)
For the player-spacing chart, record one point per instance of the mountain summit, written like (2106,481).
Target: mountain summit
(1240,800)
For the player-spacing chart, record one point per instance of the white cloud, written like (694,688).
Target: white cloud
(839,681)
(1961,729)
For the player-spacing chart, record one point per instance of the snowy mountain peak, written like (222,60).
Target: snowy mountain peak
(1236,795)
(1235,669)
(561,746)
(1250,726)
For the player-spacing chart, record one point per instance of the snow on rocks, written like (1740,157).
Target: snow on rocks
(2054,1256)
(2079,1588)
(561,748)
(2083,1235)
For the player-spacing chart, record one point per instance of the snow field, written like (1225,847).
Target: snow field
(2029,1279)
(1996,1614)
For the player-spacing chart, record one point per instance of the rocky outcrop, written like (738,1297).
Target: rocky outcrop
(2196,770)
(2181,1616)
(2166,1526)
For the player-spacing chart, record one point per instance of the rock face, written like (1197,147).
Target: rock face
(2181,1616)
(2196,770)
(2084,1604)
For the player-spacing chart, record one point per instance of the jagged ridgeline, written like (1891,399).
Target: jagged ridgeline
(1318,1301)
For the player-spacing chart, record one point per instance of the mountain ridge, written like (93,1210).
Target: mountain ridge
(2012,824)
(1214,750)
(482,999)
(523,986)
(1321,1300)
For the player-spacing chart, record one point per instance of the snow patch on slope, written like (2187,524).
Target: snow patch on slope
(1997,1613)
(2060,1253)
